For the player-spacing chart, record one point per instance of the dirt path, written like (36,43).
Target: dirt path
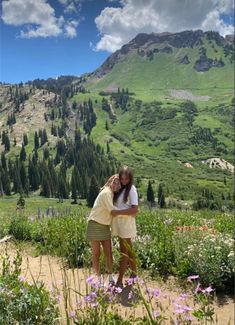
(51,271)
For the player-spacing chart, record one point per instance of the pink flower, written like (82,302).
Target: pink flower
(208,290)
(197,288)
(130,295)
(118,290)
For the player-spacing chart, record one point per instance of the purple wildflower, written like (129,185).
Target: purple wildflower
(72,315)
(189,318)
(183,296)
(156,293)
(198,288)
(118,290)
(208,290)
(156,314)
(90,280)
(130,295)
(91,297)
(22,278)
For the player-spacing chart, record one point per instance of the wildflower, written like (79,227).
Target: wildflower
(207,290)
(156,314)
(72,315)
(22,278)
(197,288)
(183,296)
(156,293)
(79,303)
(189,318)
(91,297)
(192,277)
(132,280)
(167,221)
(118,290)
(90,280)
(130,295)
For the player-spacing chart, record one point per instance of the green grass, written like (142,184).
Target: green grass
(152,79)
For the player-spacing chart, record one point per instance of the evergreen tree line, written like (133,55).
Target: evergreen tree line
(11,119)
(18,96)
(160,195)
(85,161)
(121,98)
(87,115)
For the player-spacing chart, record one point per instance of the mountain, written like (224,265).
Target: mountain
(154,63)
(162,104)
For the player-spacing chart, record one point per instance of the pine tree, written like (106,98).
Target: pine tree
(161,197)
(22,153)
(45,187)
(46,153)
(3,161)
(17,185)
(93,191)
(106,125)
(44,138)
(25,139)
(36,141)
(7,143)
(3,137)
(150,194)
(74,195)
(108,148)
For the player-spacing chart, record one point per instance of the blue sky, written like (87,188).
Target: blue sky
(43,38)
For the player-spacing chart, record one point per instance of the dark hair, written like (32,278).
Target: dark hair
(125,170)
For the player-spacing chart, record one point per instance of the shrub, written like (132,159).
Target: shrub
(21,302)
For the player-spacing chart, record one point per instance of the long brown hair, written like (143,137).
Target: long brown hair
(125,170)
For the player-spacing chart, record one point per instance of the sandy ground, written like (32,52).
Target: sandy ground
(50,270)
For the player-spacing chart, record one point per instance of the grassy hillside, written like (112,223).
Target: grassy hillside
(151,77)
(163,105)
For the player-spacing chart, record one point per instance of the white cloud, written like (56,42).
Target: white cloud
(38,18)
(119,25)
(71,5)
(70,28)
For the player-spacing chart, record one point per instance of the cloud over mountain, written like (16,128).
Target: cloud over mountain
(119,25)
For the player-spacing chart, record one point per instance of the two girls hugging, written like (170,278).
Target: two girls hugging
(114,214)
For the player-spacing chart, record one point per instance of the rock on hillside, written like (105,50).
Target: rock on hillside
(219,163)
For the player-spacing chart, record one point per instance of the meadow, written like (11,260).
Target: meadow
(195,249)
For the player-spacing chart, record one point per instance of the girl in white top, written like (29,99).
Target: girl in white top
(124,223)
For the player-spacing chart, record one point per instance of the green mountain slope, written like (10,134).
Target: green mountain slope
(150,65)
(163,104)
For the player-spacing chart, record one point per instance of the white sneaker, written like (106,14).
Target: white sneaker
(112,279)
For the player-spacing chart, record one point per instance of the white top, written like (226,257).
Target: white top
(124,226)
(131,200)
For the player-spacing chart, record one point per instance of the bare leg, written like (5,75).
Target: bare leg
(127,256)
(123,260)
(132,258)
(95,246)
(107,247)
